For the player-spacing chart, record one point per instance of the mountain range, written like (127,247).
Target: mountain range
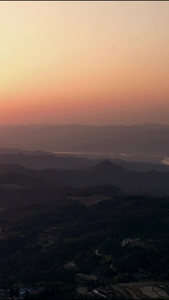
(150,139)
(105,172)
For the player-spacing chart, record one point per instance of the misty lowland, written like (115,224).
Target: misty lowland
(84,212)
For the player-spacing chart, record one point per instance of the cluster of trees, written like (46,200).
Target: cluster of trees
(39,237)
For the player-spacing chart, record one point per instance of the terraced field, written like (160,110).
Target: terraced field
(148,290)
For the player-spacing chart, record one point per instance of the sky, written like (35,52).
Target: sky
(85,62)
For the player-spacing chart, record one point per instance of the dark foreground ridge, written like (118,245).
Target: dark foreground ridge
(130,181)
(95,232)
(75,243)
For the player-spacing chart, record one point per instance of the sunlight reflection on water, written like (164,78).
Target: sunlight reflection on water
(154,158)
(165,161)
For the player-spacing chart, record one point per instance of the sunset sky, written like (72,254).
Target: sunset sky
(86,62)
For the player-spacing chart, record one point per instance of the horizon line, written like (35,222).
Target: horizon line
(77,124)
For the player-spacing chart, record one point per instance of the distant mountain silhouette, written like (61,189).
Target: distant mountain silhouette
(144,139)
(107,166)
(132,182)
(141,166)
(40,160)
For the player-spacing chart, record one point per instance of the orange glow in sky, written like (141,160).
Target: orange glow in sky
(97,62)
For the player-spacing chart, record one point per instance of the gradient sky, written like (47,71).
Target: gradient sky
(104,62)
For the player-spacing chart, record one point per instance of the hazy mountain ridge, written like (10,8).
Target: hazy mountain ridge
(40,160)
(132,182)
(144,139)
